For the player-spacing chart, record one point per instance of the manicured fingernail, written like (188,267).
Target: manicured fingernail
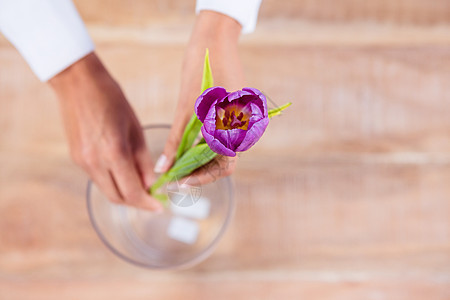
(160,164)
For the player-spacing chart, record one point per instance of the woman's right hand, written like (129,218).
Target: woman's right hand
(105,137)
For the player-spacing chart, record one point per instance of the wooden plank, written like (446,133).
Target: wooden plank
(345,197)
(298,214)
(141,12)
(346,100)
(396,11)
(236,286)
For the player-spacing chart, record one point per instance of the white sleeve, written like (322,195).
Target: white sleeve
(49,34)
(243,11)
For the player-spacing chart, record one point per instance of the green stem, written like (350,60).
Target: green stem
(191,160)
(190,134)
(276,111)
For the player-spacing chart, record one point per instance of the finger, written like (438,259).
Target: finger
(126,176)
(144,164)
(167,158)
(143,159)
(104,181)
(219,167)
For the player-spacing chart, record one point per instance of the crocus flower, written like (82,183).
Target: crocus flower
(232,122)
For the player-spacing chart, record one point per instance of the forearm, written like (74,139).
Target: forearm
(220,34)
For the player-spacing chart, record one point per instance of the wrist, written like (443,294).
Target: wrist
(217,27)
(84,72)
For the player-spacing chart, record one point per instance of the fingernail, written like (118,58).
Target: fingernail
(160,164)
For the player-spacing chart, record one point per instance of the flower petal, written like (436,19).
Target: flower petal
(237,95)
(206,100)
(253,134)
(216,145)
(209,122)
(230,138)
(263,101)
(256,114)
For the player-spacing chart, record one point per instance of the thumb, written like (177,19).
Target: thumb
(166,159)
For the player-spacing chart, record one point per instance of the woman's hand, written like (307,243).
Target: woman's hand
(105,137)
(220,34)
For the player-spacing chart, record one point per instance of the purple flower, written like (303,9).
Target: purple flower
(232,122)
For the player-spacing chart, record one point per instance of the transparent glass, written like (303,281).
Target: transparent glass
(184,235)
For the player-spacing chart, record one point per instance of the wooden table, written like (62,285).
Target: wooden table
(347,196)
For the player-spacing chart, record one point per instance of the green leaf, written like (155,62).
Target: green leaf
(159,183)
(161,198)
(277,111)
(207,80)
(193,127)
(193,159)
(190,134)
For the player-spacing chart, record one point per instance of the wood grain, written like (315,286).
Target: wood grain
(139,12)
(345,197)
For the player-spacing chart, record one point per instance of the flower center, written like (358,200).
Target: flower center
(231,117)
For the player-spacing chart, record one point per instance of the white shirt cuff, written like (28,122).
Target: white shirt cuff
(243,11)
(50,35)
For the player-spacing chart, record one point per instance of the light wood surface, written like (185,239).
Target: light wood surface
(347,196)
